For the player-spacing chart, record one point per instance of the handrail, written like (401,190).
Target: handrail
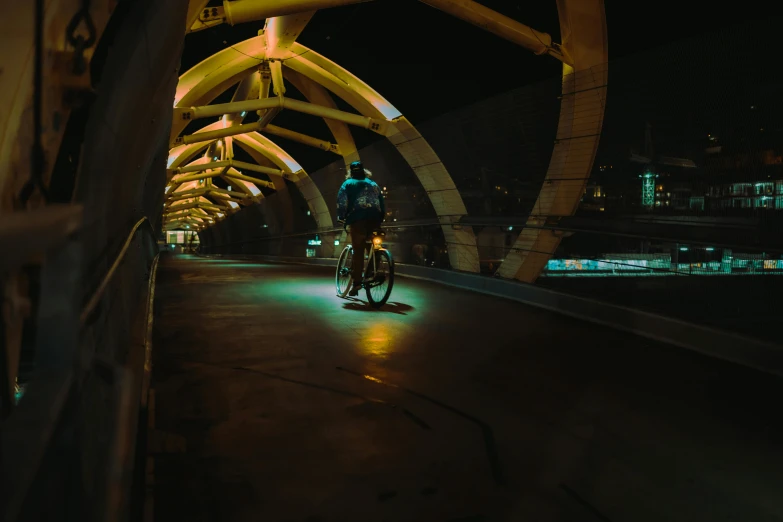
(52,387)
(499,223)
(96,297)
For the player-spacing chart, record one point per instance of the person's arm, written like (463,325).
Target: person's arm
(383,204)
(342,203)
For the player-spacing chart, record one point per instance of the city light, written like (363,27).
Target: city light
(648,189)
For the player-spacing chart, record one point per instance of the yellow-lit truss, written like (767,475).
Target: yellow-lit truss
(262,65)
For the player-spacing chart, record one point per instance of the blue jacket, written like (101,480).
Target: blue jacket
(360,199)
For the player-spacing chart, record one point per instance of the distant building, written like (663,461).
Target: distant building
(594,198)
(742,180)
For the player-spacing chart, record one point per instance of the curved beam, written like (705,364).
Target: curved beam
(256,143)
(183,154)
(316,94)
(350,88)
(205,81)
(202,83)
(583,26)
(432,174)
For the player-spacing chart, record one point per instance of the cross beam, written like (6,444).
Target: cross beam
(303,138)
(219,166)
(219,109)
(503,26)
(242,11)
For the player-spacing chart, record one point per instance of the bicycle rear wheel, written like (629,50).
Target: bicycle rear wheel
(342,278)
(379,289)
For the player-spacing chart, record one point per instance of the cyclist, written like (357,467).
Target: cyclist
(359,204)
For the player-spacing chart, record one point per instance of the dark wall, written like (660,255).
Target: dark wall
(123,149)
(123,160)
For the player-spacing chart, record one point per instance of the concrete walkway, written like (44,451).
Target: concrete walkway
(443,406)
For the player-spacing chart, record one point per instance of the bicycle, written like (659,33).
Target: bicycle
(378,274)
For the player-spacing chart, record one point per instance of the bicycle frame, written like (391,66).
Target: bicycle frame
(371,259)
(371,279)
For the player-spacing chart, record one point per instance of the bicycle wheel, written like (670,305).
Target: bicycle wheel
(379,289)
(342,278)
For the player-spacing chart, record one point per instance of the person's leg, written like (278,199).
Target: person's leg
(358,240)
(371,225)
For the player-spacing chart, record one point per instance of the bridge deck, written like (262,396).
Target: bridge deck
(446,405)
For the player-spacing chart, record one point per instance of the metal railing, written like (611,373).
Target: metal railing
(698,268)
(40,438)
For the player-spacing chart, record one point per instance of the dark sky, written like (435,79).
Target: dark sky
(427,62)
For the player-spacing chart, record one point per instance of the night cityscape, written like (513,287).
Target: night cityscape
(391,260)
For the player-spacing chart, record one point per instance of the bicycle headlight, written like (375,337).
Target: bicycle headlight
(377,241)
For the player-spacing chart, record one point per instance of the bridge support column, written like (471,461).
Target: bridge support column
(583,28)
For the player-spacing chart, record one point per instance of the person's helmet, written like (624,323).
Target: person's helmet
(357,170)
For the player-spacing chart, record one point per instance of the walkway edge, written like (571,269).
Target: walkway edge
(147,399)
(739,349)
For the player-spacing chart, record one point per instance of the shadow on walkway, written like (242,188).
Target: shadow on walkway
(390,307)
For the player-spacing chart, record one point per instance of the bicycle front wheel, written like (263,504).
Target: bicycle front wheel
(342,279)
(380,287)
